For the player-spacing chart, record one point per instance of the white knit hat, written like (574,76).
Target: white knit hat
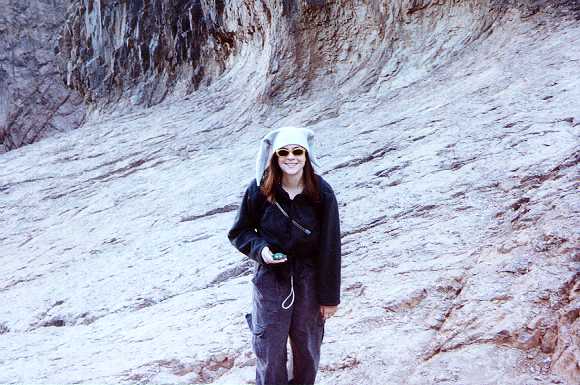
(282,137)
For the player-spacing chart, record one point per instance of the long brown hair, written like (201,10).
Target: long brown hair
(273,177)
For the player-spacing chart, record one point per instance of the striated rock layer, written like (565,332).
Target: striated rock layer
(152,47)
(34,102)
(139,52)
(449,130)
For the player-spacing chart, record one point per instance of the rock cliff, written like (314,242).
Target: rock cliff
(139,52)
(34,102)
(448,129)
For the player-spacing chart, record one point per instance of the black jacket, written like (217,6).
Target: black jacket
(260,223)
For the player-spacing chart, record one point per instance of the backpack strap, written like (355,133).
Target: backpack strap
(304,229)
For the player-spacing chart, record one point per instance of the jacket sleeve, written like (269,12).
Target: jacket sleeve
(243,234)
(329,262)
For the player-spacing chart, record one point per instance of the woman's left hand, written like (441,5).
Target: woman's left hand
(327,311)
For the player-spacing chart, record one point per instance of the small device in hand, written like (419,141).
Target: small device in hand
(278,256)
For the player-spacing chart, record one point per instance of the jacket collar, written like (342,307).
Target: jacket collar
(283,195)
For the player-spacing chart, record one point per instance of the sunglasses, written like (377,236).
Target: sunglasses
(298,151)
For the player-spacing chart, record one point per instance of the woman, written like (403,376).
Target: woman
(288,222)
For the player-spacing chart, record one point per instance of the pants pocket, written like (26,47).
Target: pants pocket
(259,341)
(266,282)
(256,330)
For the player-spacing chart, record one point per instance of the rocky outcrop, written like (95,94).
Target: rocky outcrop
(143,50)
(129,53)
(562,337)
(448,130)
(150,47)
(34,102)
(139,52)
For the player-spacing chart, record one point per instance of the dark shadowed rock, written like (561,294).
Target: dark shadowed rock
(34,102)
(139,52)
(151,48)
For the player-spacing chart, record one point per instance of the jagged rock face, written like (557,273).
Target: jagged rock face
(149,47)
(34,102)
(455,170)
(138,52)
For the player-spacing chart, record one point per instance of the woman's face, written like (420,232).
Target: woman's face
(291,164)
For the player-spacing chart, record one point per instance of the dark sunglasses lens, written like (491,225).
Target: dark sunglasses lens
(298,152)
(282,152)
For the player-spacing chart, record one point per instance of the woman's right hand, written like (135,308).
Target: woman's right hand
(267,256)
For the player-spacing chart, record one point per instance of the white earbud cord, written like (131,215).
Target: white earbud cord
(291,295)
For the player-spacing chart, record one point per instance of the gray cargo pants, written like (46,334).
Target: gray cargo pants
(271,325)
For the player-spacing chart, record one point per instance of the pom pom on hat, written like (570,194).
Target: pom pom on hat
(282,137)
